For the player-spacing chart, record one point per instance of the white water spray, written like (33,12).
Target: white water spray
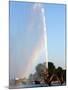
(45,36)
(43,26)
(38,19)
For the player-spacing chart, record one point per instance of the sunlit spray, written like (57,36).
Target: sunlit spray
(40,8)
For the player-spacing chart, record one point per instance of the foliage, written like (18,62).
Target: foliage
(40,68)
(59,71)
(64,75)
(51,68)
(43,74)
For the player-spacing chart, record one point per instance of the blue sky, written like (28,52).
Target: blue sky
(20,38)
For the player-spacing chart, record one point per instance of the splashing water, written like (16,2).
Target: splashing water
(45,36)
(37,37)
(41,47)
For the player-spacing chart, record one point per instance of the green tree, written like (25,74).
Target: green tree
(64,75)
(51,68)
(47,75)
(59,73)
(40,68)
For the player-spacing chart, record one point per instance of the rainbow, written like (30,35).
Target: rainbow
(34,57)
(41,45)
